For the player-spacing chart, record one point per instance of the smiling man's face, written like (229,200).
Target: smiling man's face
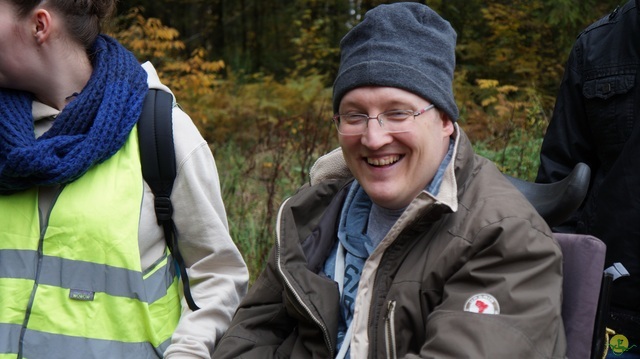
(394,167)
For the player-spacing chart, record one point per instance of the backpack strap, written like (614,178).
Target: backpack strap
(158,160)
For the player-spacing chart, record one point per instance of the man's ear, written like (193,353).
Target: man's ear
(42,25)
(447,124)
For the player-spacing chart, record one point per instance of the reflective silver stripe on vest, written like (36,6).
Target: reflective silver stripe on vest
(20,264)
(74,347)
(65,273)
(10,334)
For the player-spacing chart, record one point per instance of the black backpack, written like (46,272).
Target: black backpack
(158,160)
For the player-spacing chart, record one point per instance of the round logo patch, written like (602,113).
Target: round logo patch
(619,344)
(482,303)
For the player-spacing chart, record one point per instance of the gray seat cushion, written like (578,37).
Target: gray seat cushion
(583,265)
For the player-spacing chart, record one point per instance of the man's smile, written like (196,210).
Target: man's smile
(383,161)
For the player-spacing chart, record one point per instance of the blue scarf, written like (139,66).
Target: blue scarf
(358,247)
(89,130)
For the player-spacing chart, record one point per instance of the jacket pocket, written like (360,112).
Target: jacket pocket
(606,87)
(389,330)
(609,105)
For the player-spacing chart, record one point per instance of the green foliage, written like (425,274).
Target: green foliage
(187,76)
(265,136)
(244,193)
(506,123)
(313,52)
(519,159)
(147,38)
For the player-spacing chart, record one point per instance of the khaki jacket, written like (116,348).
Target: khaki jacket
(479,239)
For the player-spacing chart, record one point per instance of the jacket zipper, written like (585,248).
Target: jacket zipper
(324,329)
(389,330)
(43,229)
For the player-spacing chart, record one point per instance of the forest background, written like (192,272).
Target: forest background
(256,76)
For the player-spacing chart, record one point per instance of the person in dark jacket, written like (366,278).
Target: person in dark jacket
(595,121)
(405,243)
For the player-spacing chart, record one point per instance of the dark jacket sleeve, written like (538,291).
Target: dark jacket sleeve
(291,309)
(568,139)
(272,323)
(261,323)
(520,266)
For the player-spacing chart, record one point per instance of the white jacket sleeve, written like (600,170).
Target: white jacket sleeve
(217,272)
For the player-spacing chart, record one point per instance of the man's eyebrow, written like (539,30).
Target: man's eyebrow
(397,103)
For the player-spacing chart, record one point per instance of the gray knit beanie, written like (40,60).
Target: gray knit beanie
(402,45)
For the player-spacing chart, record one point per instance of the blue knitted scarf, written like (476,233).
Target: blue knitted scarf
(89,130)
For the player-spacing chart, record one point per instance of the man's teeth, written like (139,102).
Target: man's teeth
(383,161)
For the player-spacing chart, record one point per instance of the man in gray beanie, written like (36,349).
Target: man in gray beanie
(407,46)
(405,243)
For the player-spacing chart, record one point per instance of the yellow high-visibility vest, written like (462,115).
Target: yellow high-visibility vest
(75,287)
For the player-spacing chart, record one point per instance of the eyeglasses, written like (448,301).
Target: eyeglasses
(353,124)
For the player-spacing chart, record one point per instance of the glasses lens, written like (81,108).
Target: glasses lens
(352,124)
(396,121)
(391,121)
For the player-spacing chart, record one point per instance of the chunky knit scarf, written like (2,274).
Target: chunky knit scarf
(89,130)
